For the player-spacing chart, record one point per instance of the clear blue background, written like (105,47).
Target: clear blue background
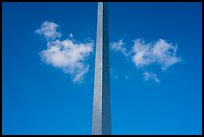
(40,99)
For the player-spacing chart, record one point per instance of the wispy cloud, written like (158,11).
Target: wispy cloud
(144,54)
(150,76)
(67,54)
(71,35)
(119,47)
(49,30)
(160,52)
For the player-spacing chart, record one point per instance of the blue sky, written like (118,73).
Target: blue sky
(155,64)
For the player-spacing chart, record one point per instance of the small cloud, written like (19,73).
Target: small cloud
(144,54)
(126,77)
(150,76)
(67,54)
(119,47)
(71,35)
(80,75)
(160,52)
(49,30)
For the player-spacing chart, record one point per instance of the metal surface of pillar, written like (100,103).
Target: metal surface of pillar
(101,122)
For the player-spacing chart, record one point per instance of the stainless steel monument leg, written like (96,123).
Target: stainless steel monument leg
(101,123)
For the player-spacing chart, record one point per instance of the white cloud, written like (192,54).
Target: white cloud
(119,47)
(160,52)
(144,54)
(165,53)
(71,35)
(150,76)
(49,30)
(69,56)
